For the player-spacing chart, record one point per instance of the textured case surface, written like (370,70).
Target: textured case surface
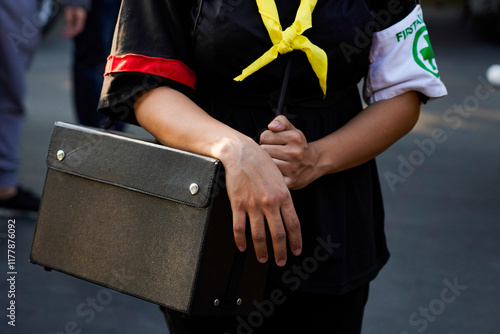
(115,207)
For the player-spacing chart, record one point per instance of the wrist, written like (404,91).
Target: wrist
(327,161)
(320,166)
(230,149)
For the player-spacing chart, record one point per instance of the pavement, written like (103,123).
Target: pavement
(441,185)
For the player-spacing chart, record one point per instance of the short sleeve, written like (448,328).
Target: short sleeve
(402,60)
(151,48)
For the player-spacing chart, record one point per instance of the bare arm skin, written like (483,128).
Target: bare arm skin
(259,177)
(255,185)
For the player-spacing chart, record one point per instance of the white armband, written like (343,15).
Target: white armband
(402,60)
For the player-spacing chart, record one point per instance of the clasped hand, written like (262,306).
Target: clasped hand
(290,151)
(259,183)
(258,186)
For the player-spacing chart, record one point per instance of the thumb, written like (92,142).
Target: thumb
(280,123)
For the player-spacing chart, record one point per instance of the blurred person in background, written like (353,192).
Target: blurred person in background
(91,49)
(21,26)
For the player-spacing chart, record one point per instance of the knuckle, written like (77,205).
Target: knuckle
(279,236)
(239,228)
(264,136)
(268,201)
(259,237)
(296,154)
(295,137)
(281,196)
(284,196)
(294,225)
(251,204)
(237,204)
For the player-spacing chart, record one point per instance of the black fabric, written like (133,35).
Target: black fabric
(217,40)
(283,311)
(121,91)
(222,51)
(343,208)
(390,12)
(154,29)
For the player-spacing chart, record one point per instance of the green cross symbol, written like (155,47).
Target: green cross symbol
(426,53)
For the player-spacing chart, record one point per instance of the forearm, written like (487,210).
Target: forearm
(368,134)
(254,183)
(178,122)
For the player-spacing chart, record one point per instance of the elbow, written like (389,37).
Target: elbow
(410,107)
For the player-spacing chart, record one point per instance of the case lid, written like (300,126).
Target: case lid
(132,163)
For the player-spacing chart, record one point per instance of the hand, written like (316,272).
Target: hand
(257,190)
(74,21)
(255,185)
(294,156)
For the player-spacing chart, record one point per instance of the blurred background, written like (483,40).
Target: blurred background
(441,186)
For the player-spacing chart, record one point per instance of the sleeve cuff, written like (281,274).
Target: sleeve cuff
(170,69)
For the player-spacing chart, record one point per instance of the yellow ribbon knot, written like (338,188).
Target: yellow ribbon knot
(286,43)
(289,40)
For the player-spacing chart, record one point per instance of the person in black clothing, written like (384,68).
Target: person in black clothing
(91,49)
(206,76)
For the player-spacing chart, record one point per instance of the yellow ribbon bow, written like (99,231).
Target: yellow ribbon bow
(289,40)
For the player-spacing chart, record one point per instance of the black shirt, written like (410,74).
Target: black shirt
(198,47)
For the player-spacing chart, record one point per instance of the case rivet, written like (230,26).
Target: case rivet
(216,302)
(60,155)
(239,302)
(194,188)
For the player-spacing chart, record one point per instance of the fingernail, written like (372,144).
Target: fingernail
(297,252)
(281,263)
(274,124)
(263,259)
(242,249)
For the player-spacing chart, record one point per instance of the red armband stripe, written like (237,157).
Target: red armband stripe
(167,68)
